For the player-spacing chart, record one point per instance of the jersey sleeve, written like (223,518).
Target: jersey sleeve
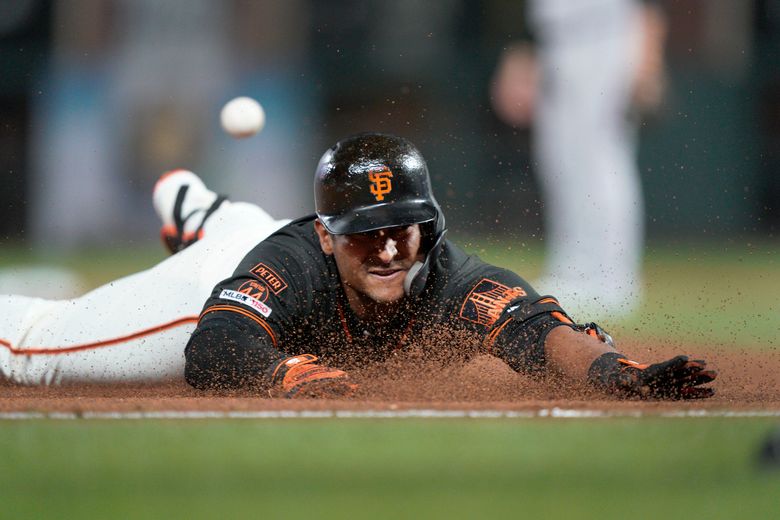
(511,317)
(239,341)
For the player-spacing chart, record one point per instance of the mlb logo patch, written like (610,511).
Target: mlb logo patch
(247,300)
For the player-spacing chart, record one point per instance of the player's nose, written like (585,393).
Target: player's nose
(389,251)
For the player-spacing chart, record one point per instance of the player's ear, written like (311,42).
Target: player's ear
(326,241)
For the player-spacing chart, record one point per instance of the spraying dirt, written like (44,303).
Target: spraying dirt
(748,379)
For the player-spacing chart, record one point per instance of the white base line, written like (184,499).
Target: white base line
(546,413)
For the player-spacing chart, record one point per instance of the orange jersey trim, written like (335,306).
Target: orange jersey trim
(491,338)
(556,314)
(98,344)
(561,317)
(242,312)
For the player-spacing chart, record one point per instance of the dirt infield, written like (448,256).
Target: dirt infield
(748,379)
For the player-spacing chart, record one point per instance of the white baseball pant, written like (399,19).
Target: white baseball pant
(134,328)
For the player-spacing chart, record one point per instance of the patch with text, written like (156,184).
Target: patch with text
(269,276)
(247,300)
(487,300)
(255,289)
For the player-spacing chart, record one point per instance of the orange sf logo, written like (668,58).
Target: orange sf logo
(380,184)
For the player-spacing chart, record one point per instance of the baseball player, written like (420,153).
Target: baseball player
(370,274)
(596,60)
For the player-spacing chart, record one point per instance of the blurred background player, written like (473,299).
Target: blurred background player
(594,63)
(768,457)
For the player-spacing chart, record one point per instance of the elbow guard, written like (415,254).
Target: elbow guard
(518,335)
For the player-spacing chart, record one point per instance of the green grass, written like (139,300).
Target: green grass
(96,266)
(716,293)
(646,468)
(708,294)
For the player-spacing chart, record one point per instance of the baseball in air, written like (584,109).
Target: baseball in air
(242,117)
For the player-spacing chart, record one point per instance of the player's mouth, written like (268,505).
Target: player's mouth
(387,275)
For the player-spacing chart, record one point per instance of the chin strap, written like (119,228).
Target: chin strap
(417,277)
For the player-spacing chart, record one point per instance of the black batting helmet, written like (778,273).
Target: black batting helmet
(373,181)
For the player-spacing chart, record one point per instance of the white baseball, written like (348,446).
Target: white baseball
(242,117)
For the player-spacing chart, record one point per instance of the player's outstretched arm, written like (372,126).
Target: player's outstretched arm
(586,357)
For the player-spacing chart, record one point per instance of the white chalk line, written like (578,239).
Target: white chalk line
(544,413)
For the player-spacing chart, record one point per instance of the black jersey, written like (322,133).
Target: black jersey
(286,299)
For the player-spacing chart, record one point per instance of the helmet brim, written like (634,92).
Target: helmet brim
(380,216)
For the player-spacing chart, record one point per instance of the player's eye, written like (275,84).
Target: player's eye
(369,236)
(396,233)
(380,234)
(377,238)
(400,233)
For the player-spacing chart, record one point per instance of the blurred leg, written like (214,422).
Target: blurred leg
(590,183)
(132,329)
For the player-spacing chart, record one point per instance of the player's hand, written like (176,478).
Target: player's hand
(300,376)
(677,378)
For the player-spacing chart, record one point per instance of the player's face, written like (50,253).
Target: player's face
(373,265)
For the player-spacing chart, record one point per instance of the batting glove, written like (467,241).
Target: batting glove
(677,378)
(299,376)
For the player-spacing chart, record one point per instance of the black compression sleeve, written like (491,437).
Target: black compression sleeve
(226,352)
